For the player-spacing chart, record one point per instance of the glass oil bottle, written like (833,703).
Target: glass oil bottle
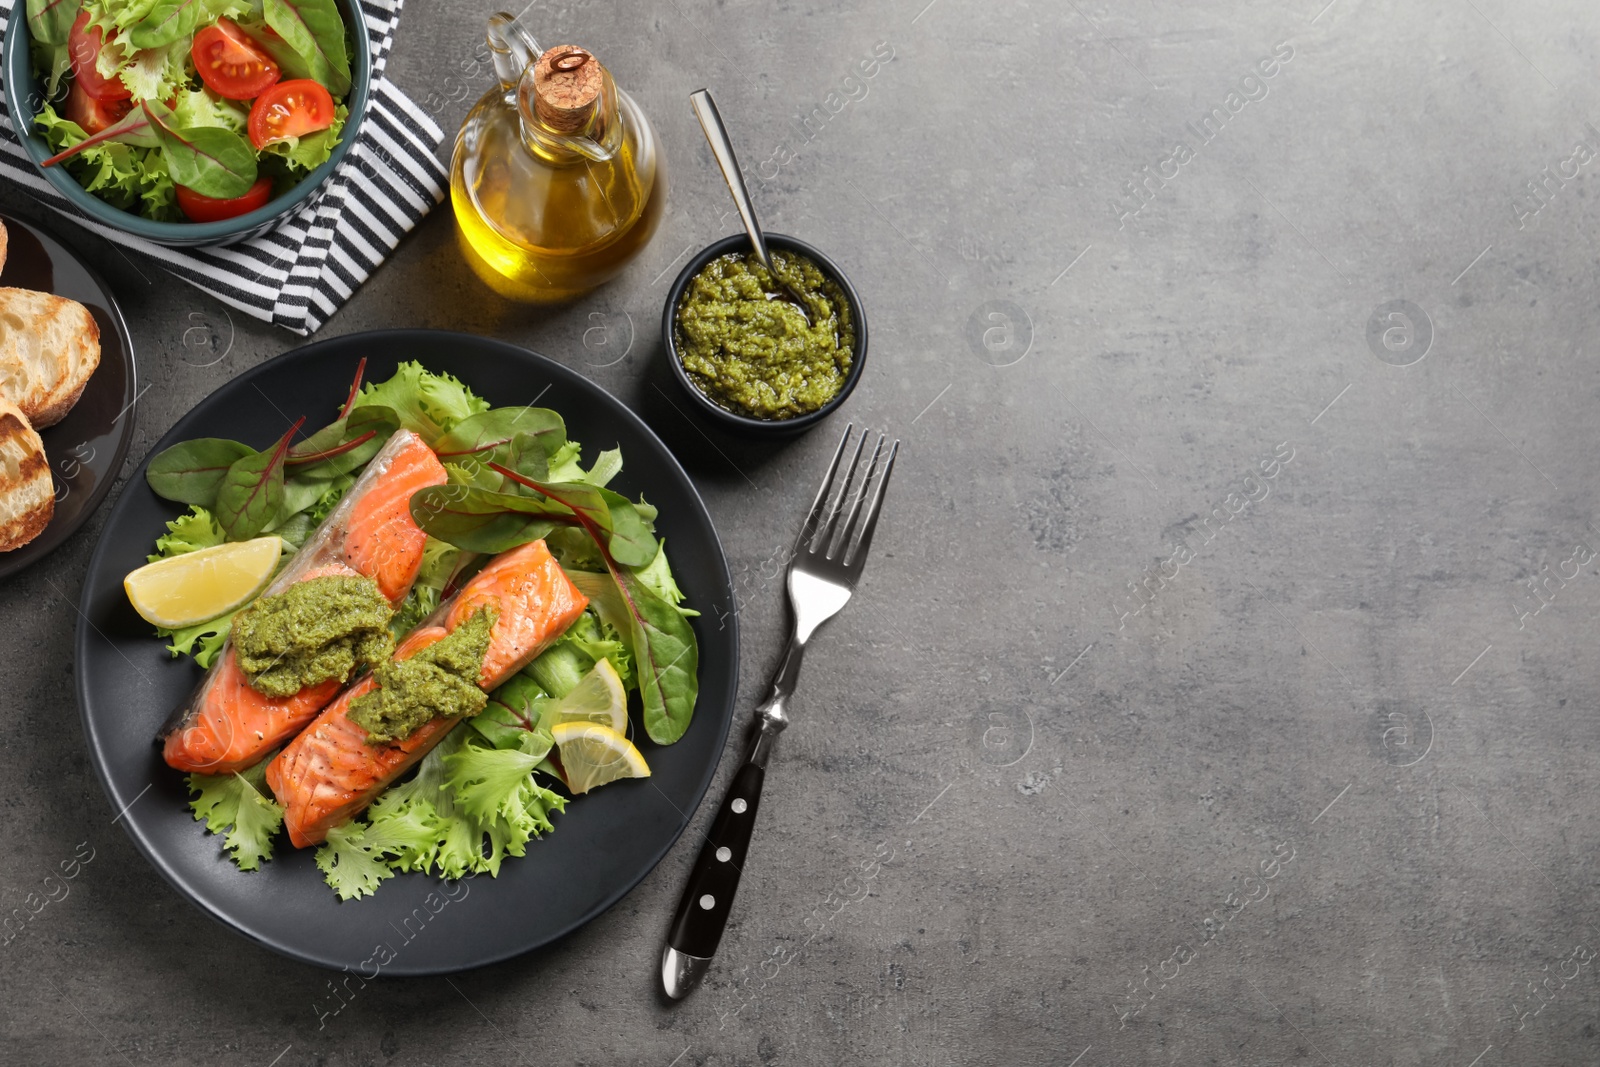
(558,180)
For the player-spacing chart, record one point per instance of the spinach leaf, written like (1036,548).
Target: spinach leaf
(166,22)
(666,655)
(208,159)
(50,21)
(252,492)
(191,472)
(313,32)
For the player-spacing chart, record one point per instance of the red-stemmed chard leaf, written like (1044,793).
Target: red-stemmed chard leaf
(343,445)
(133,128)
(355,389)
(209,160)
(192,472)
(610,518)
(330,453)
(50,21)
(252,492)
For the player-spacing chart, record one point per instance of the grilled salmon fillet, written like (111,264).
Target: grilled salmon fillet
(226,726)
(331,772)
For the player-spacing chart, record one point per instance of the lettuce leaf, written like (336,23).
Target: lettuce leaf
(421,602)
(233,9)
(189,532)
(203,640)
(352,866)
(564,466)
(561,666)
(234,804)
(665,650)
(308,39)
(158,193)
(202,107)
(125,176)
(155,73)
(468,807)
(428,404)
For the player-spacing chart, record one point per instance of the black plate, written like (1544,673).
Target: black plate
(602,846)
(85,449)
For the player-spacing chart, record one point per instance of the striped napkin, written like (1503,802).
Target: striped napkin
(303,270)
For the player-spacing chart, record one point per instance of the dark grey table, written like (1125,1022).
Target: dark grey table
(1222,689)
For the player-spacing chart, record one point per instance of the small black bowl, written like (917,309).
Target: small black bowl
(743,423)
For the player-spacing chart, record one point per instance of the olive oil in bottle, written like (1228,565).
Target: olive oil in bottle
(558,180)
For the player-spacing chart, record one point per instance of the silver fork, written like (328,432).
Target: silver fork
(824,567)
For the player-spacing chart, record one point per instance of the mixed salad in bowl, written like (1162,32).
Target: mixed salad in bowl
(190,110)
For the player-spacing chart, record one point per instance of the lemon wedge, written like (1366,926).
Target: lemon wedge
(593,755)
(196,586)
(598,698)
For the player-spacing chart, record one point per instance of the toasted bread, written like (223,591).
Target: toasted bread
(27,491)
(4,243)
(49,346)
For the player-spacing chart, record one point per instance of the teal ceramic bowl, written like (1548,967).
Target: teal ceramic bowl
(23,96)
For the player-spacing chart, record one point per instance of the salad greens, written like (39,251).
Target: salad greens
(306,40)
(514,476)
(468,807)
(240,806)
(426,403)
(120,77)
(124,175)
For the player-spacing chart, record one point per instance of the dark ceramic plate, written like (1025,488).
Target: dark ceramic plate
(603,845)
(85,449)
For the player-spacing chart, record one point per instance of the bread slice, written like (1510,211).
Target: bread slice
(5,242)
(27,491)
(49,346)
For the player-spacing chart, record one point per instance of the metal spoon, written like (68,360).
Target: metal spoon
(705,109)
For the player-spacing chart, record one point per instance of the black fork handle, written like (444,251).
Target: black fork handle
(713,882)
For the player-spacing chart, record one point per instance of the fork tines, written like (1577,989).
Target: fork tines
(823,535)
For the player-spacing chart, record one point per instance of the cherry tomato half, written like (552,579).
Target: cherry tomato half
(91,114)
(290,109)
(199,208)
(83,46)
(231,63)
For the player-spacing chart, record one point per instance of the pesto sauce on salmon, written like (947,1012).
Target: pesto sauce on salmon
(441,681)
(319,629)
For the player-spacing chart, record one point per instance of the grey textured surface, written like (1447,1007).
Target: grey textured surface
(1077,782)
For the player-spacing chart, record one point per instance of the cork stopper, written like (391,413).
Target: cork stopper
(566,87)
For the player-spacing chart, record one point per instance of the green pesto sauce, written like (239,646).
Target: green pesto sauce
(439,681)
(755,354)
(312,631)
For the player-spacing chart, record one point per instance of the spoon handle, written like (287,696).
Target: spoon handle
(705,109)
